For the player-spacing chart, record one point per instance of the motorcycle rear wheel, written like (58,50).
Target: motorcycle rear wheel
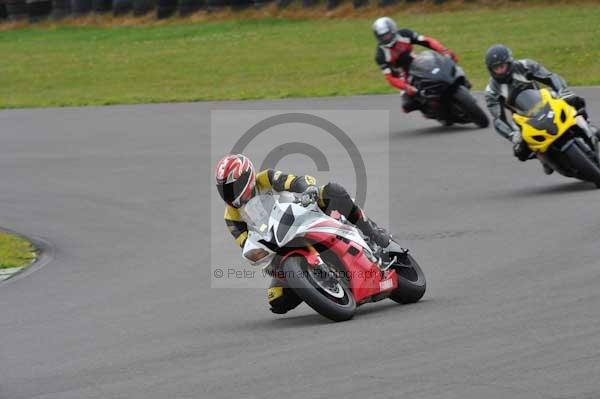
(411,281)
(302,279)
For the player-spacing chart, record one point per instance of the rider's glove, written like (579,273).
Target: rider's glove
(516,137)
(520,149)
(309,196)
(451,55)
(411,90)
(522,152)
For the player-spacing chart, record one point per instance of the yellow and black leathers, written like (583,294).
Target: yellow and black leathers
(332,196)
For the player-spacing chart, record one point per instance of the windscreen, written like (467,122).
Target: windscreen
(527,100)
(423,63)
(256,213)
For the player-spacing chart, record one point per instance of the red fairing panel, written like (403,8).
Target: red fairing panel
(365,277)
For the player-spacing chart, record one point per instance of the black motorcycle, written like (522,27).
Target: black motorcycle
(444,90)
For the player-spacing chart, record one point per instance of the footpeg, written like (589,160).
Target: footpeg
(385,266)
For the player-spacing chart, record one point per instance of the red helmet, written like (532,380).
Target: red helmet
(236,179)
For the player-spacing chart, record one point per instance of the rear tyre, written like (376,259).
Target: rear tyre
(462,96)
(411,280)
(586,169)
(334,301)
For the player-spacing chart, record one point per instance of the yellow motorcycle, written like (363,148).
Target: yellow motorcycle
(550,128)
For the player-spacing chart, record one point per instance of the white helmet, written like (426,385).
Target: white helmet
(385,30)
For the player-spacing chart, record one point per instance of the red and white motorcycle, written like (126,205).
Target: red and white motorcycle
(326,260)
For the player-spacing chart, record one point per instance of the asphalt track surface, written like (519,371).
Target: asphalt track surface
(122,307)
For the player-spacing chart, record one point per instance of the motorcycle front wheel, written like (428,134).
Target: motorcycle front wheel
(321,291)
(465,100)
(587,170)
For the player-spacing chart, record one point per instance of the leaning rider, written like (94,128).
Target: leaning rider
(237,183)
(394,56)
(508,77)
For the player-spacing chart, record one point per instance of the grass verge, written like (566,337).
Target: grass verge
(272,57)
(15,251)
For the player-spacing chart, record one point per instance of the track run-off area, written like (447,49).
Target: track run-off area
(121,305)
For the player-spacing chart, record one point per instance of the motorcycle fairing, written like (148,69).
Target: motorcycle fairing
(365,279)
(429,65)
(283,222)
(548,121)
(288,221)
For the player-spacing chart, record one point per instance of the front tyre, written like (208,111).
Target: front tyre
(411,280)
(325,294)
(465,100)
(586,169)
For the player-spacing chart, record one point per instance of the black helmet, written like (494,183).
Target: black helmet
(385,30)
(498,55)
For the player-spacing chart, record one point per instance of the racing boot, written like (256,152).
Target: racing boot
(522,151)
(374,233)
(383,239)
(281,298)
(335,197)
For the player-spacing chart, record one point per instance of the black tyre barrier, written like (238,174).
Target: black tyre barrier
(61,8)
(241,4)
(121,7)
(166,8)
(360,3)
(3,13)
(141,7)
(81,7)
(261,3)
(215,4)
(383,3)
(331,4)
(308,3)
(283,3)
(38,9)
(101,6)
(16,10)
(188,7)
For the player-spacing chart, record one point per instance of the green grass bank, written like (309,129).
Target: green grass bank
(15,251)
(66,65)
